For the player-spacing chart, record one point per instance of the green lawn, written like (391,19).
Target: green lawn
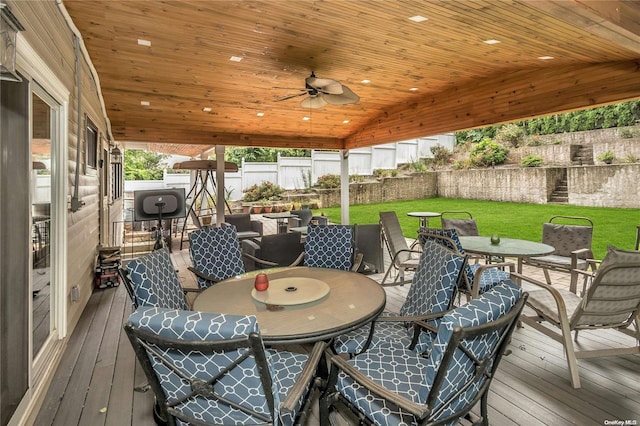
(515,220)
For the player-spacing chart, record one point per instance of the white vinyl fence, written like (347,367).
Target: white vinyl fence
(299,172)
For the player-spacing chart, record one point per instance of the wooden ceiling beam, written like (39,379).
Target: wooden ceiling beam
(612,20)
(207,139)
(516,96)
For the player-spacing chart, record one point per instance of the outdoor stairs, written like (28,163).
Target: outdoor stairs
(560,194)
(583,155)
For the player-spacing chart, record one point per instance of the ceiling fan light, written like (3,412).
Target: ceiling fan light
(314,102)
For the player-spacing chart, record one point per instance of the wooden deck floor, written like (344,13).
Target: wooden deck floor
(95,382)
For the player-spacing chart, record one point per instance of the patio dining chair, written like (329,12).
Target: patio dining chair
(215,254)
(478,278)
(393,385)
(151,280)
(331,246)
(403,258)
(213,369)
(282,249)
(610,300)
(465,225)
(431,294)
(572,243)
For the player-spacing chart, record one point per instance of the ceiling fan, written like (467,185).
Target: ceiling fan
(323,91)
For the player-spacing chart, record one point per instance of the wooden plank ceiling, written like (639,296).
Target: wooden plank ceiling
(425,78)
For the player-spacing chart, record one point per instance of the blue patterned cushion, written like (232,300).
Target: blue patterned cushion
(431,291)
(155,282)
(490,276)
(216,252)
(399,370)
(329,246)
(491,306)
(241,384)
(411,376)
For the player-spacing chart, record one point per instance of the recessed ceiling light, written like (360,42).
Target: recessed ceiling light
(491,41)
(235,58)
(365,81)
(345,121)
(260,114)
(143,42)
(545,58)
(418,18)
(145,103)
(206,109)
(414,89)
(306,118)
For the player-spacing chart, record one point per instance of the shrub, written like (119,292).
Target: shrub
(441,154)
(627,133)
(488,153)
(460,165)
(531,161)
(632,158)
(329,181)
(607,157)
(382,173)
(510,134)
(534,140)
(265,191)
(418,166)
(356,178)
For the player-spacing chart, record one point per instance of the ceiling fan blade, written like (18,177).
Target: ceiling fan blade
(325,85)
(314,102)
(284,98)
(347,97)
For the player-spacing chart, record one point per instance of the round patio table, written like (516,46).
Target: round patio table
(508,247)
(352,301)
(424,217)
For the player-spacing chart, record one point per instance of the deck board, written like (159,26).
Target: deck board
(531,386)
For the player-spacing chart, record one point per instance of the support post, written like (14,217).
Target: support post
(344,186)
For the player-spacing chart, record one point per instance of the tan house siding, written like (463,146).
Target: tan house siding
(49,35)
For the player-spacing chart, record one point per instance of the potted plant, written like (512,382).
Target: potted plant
(266,206)
(607,157)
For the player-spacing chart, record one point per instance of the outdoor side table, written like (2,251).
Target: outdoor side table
(281,219)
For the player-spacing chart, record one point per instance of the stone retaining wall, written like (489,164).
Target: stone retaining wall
(616,185)
(521,185)
(388,189)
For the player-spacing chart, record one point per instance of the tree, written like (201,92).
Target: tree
(258,154)
(143,165)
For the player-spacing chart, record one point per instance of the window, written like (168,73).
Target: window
(91,142)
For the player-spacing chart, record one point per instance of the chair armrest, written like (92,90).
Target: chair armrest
(259,261)
(562,307)
(307,374)
(257,226)
(475,285)
(322,220)
(187,290)
(576,253)
(298,260)
(295,222)
(357,261)
(338,363)
(203,275)
(395,256)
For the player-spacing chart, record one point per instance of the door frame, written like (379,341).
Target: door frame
(34,69)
